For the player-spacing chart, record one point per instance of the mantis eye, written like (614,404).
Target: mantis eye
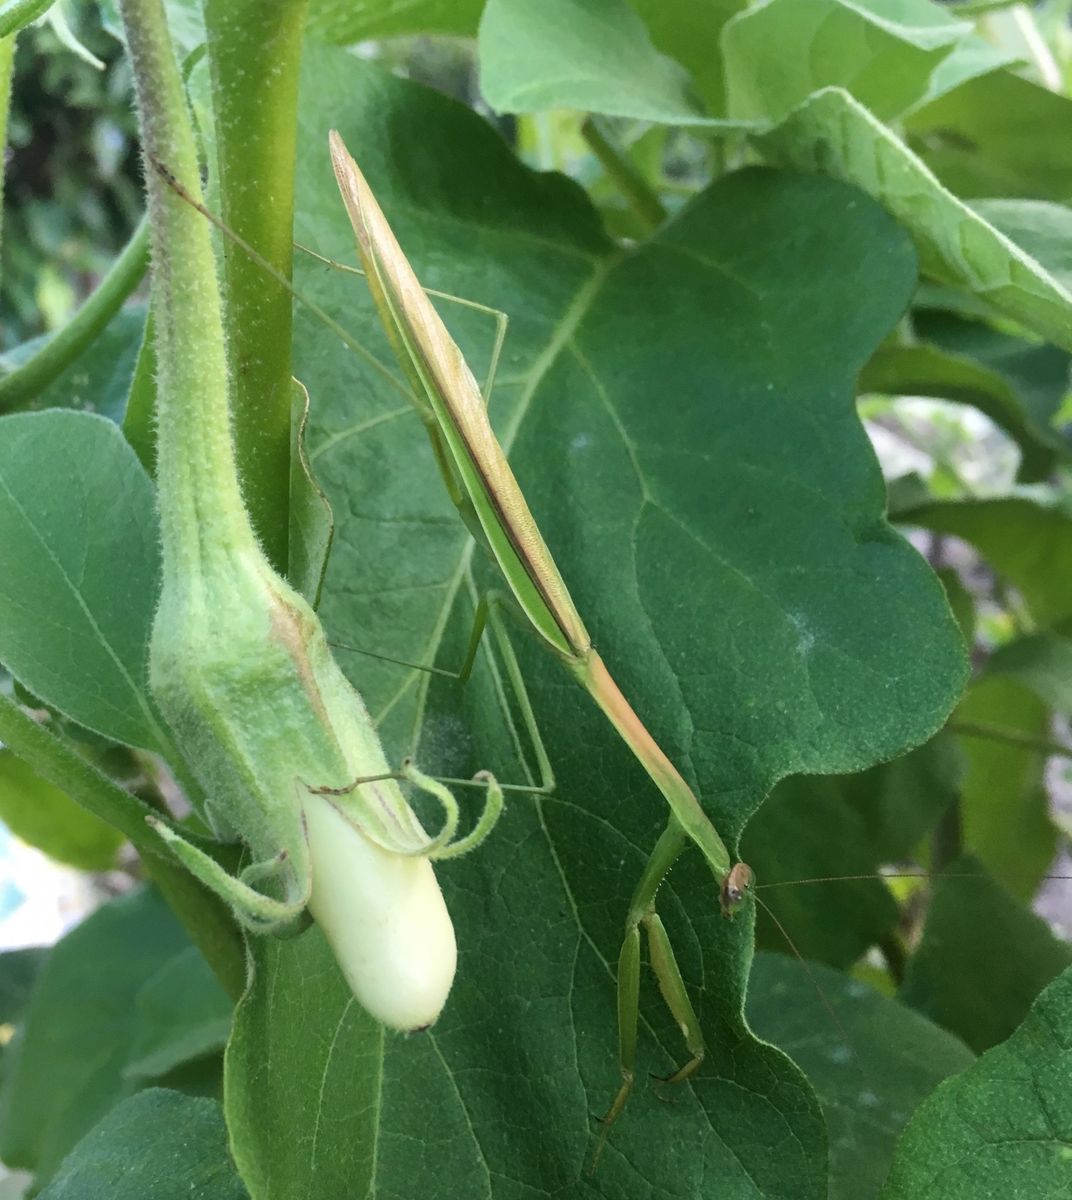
(735,888)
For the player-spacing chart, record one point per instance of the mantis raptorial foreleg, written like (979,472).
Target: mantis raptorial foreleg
(488,613)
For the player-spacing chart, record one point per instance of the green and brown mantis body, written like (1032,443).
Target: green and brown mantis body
(486,493)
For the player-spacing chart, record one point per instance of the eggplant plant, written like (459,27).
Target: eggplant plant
(256,513)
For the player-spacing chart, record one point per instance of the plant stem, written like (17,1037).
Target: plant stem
(201,509)
(631,183)
(1012,737)
(947,840)
(254,51)
(206,918)
(57,354)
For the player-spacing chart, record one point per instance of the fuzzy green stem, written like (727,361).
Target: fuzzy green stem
(254,51)
(56,355)
(629,181)
(206,918)
(202,515)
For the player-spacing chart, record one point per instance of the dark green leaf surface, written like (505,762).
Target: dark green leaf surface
(593,55)
(158,1145)
(1029,544)
(983,959)
(66,1067)
(45,817)
(871,1062)
(743,587)
(883,51)
(1002,1128)
(181,1013)
(79,529)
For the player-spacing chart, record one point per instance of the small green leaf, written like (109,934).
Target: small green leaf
(1004,800)
(66,1066)
(45,817)
(833,133)
(1041,662)
(79,529)
(181,1013)
(871,1066)
(925,370)
(983,959)
(1028,543)
(1002,1127)
(98,380)
(593,55)
(883,51)
(158,1145)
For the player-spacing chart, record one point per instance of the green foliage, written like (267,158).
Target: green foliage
(67,1068)
(159,1143)
(47,818)
(785,206)
(1002,1122)
(79,528)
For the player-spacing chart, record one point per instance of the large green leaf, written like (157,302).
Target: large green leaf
(66,1068)
(45,817)
(994,136)
(1044,230)
(870,1059)
(594,55)
(833,133)
(882,51)
(983,959)
(158,1145)
(1028,543)
(1003,1127)
(79,529)
(717,511)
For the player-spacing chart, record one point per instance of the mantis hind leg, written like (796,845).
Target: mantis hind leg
(642,915)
